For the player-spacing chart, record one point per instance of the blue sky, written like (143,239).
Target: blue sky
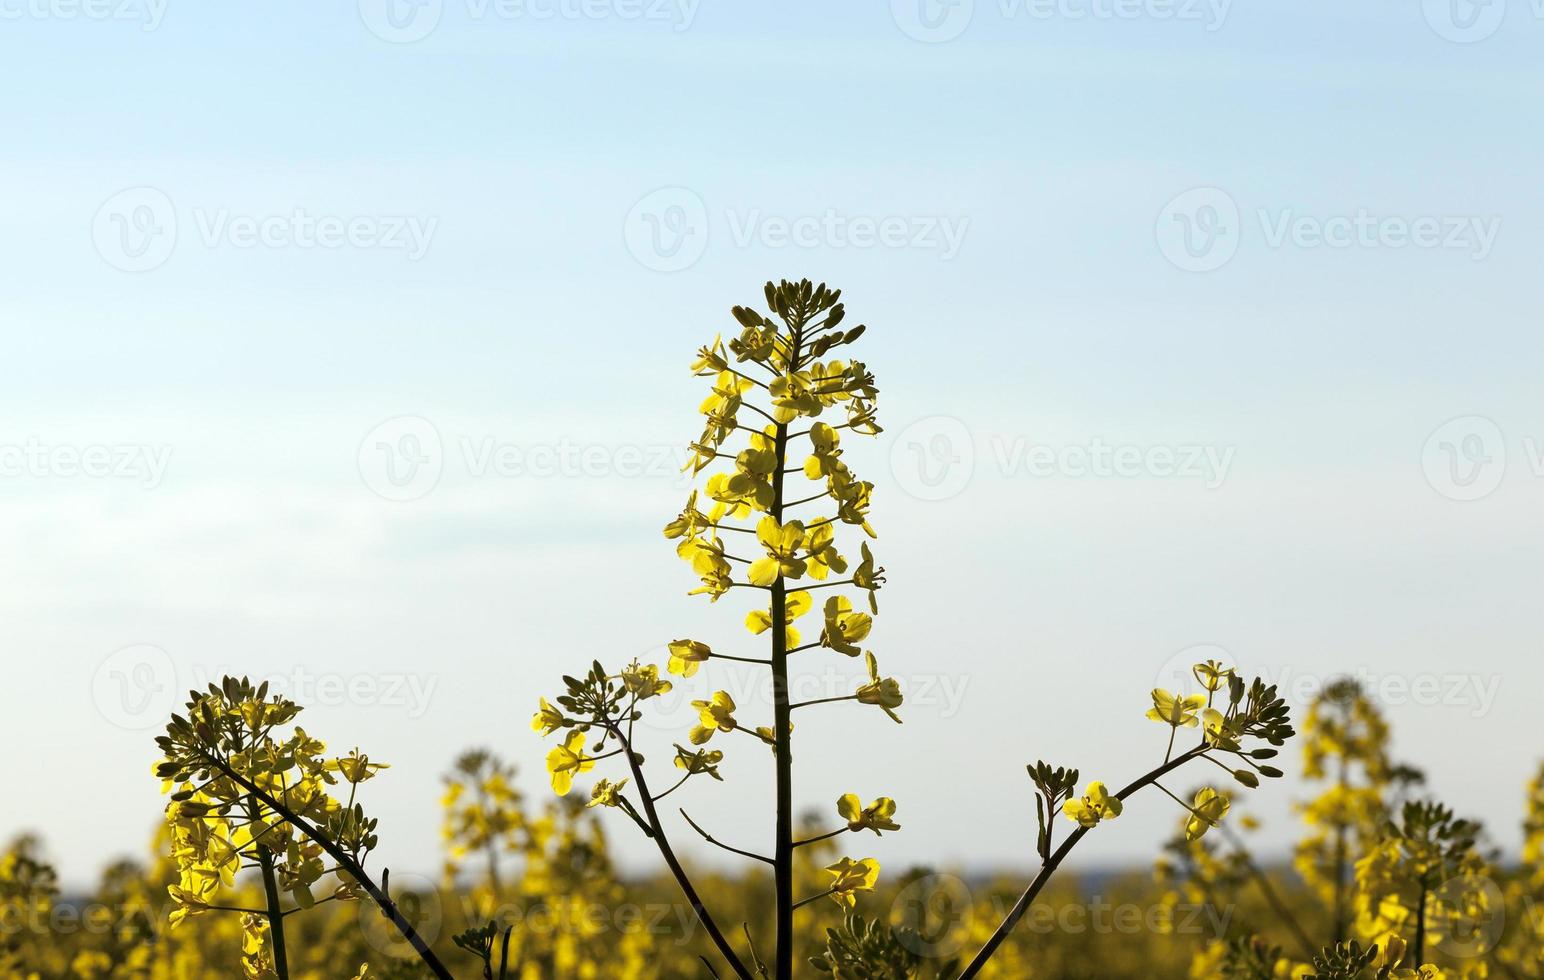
(241,241)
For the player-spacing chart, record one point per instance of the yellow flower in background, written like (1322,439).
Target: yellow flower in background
(686,656)
(876,816)
(606,793)
(1096,804)
(852,877)
(795,604)
(844,629)
(782,543)
(1208,810)
(715,715)
(547,719)
(643,681)
(883,691)
(564,761)
(1176,711)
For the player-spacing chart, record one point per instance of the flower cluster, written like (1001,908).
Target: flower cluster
(778,410)
(247,797)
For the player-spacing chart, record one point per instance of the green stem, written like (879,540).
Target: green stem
(782,725)
(1420,929)
(275,914)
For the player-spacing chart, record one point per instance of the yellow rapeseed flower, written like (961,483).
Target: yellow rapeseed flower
(564,761)
(1096,804)
(876,816)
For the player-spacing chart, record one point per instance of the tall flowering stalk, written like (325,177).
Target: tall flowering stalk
(777,491)
(756,534)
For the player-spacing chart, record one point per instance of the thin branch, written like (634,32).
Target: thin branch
(1269,891)
(1054,862)
(818,839)
(813,898)
(344,859)
(805,704)
(718,843)
(663,843)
